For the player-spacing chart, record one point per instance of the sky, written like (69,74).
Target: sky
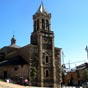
(69,22)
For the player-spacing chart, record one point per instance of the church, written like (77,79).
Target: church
(39,61)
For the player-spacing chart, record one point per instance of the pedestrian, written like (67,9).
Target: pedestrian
(26,82)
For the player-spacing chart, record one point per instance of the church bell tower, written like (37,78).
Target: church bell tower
(43,38)
(41,23)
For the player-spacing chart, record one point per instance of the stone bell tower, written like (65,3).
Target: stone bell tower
(43,38)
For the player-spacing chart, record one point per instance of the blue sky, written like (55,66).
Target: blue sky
(69,22)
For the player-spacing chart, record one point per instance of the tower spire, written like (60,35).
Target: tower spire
(41,9)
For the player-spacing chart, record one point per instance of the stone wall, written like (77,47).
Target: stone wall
(14,71)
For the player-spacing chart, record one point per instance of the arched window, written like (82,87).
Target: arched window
(43,24)
(38,24)
(47,24)
(47,73)
(47,59)
(34,26)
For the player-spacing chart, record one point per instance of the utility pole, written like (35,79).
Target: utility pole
(69,65)
(87,51)
(62,57)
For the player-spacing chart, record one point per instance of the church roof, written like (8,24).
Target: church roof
(14,46)
(41,9)
(17,60)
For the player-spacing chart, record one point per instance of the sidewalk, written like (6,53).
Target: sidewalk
(10,85)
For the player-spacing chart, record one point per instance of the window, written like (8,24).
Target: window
(47,59)
(15,68)
(35,26)
(38,24)
(43,24)
(47,73)
(47,24)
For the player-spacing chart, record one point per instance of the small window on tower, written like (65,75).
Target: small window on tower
(47,73)
(43,24)
(35,26)
(47,59)
(47,24)
(38,24)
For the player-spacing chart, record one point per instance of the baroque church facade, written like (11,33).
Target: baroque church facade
(39,61)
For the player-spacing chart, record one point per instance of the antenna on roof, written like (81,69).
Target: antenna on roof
(87,51)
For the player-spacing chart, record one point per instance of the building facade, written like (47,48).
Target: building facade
(39,61)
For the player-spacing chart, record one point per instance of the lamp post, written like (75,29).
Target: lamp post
(87,51)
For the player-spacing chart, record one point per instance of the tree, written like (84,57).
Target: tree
(63,73)
(33,73)
(85,75)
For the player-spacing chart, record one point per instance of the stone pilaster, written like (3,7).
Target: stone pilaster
(29,68)
(40,57)
(53,61)
(40,24)
(49,25)
(58,67)
(60,70)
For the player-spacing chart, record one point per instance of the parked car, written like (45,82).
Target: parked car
(85,85)
(8,80)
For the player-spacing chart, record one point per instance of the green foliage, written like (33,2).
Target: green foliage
(78,74)
(85,74)
(63,75)
(33,73)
